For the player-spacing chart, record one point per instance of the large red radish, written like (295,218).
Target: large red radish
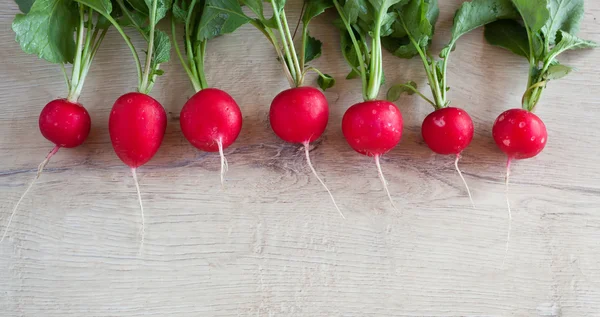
(300,115)
(211,121)
(137,125)
(373,128)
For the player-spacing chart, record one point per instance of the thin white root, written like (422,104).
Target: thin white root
(224,164)
(384,182)
(509,213)
(307,152)
(139,194)
(37,176)
(463,179)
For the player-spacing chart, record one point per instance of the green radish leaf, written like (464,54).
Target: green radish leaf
(387,24)
(417,19)
(104,7)
(159,72)
(135,19)
(566,41)
(508,34)
(220,17)
(48,30)
(180,11)
(162,48)
(162,7)
(474,14)
(325,81)
(565,15)
(315,8)
(353,74)
(255,6)
(557,71)
(25,5)
(535,13)
(139,6)
(313,49)
(397,90)
(352,9)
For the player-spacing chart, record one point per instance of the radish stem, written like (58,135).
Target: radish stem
(307,152)
(37,176)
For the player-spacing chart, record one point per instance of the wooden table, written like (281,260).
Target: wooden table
(271,243)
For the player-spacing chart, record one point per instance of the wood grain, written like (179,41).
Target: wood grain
(271,243)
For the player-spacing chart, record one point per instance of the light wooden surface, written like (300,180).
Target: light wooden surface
(271,243)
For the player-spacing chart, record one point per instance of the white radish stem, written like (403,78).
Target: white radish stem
(37,176)
(139,194)
(224,164)
(463,179)
(383,181)
(307,152)
(509,212)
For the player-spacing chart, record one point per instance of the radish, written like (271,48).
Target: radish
(447,130)
(299,114)
(66,34)
(372,127)
(540,32)
(210,120)
(137,122)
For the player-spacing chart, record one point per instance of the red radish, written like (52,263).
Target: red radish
(64,123)
(137,125)
(448,130)
(521,135)
(373,128)
(211,121)
(300,115)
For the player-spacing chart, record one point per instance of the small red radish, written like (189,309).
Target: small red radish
(66,124)
(137,125)
(520,134)
(300,115)
(448,131)
(211,121)
(373,128)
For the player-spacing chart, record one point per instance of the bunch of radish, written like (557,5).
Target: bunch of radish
(372,127)
(299,114)
(67,34)
(210,120)
(137,121)
(539,31)
(447,130)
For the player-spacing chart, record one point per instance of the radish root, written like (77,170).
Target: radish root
(463,179)
(307,152)
(509,211)
(384,182)
(139,194)
(224,164)
(37,176)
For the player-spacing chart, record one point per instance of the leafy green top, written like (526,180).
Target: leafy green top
(60,32)
(294,62)
(203,22)
(545,29)
(143,15)
(360,20)
(414,31)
